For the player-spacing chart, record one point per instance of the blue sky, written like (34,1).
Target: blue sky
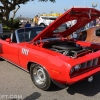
(33,8)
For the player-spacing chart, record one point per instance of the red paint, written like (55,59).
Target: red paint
(57,65)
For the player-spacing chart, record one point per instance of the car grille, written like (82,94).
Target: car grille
(90,63)
(85,67)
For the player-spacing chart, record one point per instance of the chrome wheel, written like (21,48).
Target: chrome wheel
(39,75)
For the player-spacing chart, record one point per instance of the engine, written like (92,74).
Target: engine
(68,48)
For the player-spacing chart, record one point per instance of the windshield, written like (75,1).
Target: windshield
(27,34)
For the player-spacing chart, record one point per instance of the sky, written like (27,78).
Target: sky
(34,8)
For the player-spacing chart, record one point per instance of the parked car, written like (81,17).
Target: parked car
(49,56)
(46,20)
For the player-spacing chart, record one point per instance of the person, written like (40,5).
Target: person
(27,24)
(98,21)
(92,23)
(35,20)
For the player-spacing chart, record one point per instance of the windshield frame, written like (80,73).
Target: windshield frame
(28,29)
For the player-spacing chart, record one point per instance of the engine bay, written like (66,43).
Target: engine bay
(68,48)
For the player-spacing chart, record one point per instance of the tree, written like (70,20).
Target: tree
(6,6)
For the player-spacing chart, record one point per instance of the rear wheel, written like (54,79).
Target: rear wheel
(40,77)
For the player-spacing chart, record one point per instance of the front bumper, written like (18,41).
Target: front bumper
(82,76)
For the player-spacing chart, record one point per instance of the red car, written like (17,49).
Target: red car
(49,55)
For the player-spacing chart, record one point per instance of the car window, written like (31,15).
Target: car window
(44,17)
(23,36)
(52,18)
(27,34)
(49,18)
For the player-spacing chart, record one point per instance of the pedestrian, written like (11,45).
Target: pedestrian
(94,22)
(27,24)
(35,20)
(98,22)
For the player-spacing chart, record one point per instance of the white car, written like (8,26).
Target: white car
(46,20)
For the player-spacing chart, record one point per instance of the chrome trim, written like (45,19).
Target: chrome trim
(24,28)
(17,36)
(89,63)
(86,66)
(39,75)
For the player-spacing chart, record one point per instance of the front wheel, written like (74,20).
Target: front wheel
(40,77)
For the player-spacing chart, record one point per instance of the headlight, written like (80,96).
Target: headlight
(72,70)
(77,67)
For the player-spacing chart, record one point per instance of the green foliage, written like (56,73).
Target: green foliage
(5,27)
(15,25)
(12,5)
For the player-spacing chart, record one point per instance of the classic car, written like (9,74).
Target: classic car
(49,55)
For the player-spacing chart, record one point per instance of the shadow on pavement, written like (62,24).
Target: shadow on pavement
(33,96)
(86,88)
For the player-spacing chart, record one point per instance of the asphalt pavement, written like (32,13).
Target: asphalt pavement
(16,83)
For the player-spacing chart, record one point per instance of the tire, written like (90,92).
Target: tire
(42,25)
(40,77)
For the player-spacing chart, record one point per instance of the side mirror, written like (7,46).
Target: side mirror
(98,32)
(8,40)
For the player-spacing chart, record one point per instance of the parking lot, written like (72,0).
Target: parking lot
(14,81)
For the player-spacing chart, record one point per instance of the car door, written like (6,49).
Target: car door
(9,51)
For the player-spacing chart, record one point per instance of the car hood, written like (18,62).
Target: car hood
(82,15)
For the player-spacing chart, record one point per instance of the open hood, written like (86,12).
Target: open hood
(81,15)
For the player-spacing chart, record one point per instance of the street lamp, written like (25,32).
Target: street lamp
(94,5)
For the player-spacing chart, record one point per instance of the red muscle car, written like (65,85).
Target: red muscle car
(49,55)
